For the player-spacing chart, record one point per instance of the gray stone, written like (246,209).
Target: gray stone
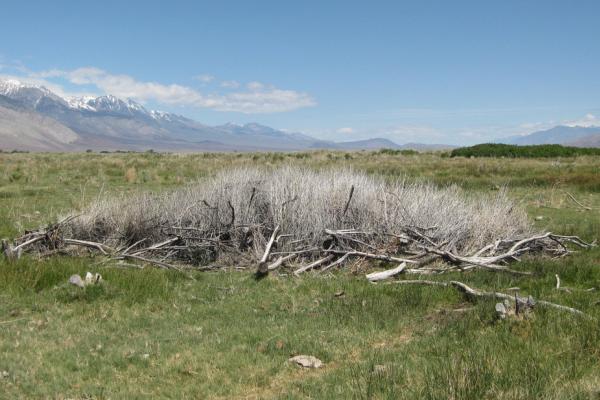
(306,361)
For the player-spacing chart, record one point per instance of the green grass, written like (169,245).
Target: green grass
(155,334)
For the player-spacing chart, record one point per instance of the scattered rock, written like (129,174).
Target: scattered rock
(501,310)
(339,294)
(4,374)
(90,279)
(77,281)
(307,361)
(539,218)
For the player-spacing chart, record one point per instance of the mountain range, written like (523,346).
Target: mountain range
(566,135)
(34,118)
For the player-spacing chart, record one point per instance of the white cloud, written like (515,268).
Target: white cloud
(230,84)
(255,86)
(205,78)
(588,120)
(345,130)
(259,98)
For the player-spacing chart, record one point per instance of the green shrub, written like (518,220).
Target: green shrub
(514,151)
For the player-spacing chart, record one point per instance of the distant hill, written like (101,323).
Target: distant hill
(587,141)
(34,118)
(368,144)
(382,143)
(566,135)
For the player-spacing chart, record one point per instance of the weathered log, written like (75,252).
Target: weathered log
(379,276)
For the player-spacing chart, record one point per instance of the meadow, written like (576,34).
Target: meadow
(156,334)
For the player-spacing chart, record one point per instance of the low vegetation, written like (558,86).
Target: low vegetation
(514,151)
(156,333)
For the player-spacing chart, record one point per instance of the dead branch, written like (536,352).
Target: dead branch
(382,257)
(379,276)
(313,265)
(349,200)
(336,262)
(280,262)
(472,292)
(104,249)
(262,268)
(578,203)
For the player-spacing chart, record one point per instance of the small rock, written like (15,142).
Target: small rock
(92,279)
(4,374)
(146,356)
(339,294)
(307,361)
(501,310)
(539,218)
(77,281)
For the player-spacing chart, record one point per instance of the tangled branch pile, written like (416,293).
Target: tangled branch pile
(304,219)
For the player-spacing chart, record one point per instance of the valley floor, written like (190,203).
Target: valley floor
(156,334)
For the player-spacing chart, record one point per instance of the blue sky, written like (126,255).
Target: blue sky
(421,71)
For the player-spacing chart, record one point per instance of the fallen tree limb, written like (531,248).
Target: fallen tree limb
(314,265)
(104,249)
(336,262)
(379,276)
(382,257)
(279,262)
(469,291)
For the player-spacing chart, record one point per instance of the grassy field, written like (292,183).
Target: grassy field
(156,334)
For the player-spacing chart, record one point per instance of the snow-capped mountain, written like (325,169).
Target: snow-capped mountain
(108,104)
(109,123)
(30,96)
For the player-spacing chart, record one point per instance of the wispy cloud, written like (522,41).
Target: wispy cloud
(345,130)
(256,98)
(204,78)
(588,120)
(230,84)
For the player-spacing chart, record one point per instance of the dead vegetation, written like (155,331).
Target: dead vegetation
(305,220)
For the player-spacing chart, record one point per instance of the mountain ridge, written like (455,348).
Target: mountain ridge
(110,123)
(560,134)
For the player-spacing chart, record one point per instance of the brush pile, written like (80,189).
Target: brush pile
(304,220)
